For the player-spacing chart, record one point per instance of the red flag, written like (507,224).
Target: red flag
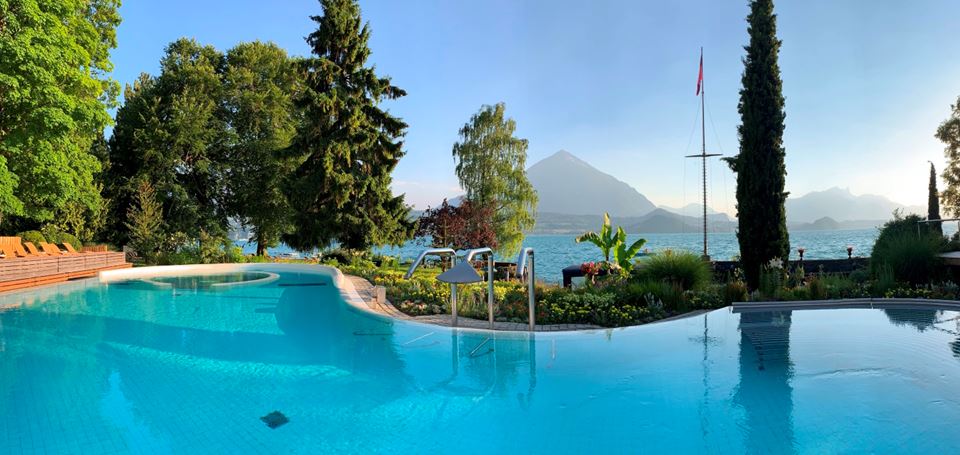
(700,77)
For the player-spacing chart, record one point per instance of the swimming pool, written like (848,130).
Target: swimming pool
(89,367)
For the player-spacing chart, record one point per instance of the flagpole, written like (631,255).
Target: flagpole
(703,149)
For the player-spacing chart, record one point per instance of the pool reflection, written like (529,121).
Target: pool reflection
(764,391)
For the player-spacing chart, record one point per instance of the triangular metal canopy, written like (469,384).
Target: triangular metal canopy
(460,273)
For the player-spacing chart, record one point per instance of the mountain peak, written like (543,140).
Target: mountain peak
(569,185)
(564,156)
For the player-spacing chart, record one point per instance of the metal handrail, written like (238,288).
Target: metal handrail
(522,260)
(424,254)
(525,254)
(488,252)
(469,254)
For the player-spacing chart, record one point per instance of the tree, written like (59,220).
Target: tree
(172,131)
(949,134)
(144,220)
(54,94)
(347,146)
(459,227)
(259,83)
(933,202)
(761,172)
(491,166)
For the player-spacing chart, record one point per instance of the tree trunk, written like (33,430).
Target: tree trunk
(261,249)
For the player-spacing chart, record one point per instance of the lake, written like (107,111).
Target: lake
(554,252)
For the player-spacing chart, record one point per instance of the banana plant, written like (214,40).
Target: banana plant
(624,254)
(608,240)
(605,240)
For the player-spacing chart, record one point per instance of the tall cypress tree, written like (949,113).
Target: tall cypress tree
(760,169)
(933,202)
(347,146)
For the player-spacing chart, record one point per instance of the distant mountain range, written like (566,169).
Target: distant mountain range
(573,195)
(840,204)
(656,221)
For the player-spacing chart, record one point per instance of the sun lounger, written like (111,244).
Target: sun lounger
(32,249)
(51,249)
(10,247)
(70,248)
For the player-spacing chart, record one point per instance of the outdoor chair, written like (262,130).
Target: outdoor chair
(32,249)
(51,249)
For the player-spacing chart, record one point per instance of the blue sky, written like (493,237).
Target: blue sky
(866,82)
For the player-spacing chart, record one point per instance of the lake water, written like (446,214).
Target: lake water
(554,252)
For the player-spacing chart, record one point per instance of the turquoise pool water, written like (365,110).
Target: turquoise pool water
(122,368)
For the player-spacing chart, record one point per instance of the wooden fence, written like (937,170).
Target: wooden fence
(24,272)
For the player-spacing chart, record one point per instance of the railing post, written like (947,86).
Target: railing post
(530,292)
(490,287)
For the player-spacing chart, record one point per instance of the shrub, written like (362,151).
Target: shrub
(683,269)
(66,237)
(816,288)
(709,298)
(735,291)
(771,281)
(34,237)
(560,306)
(910,256)
(51,233)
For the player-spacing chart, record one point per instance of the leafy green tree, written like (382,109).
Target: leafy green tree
(347,146)
(933,202)
(54,95)
(949,134)
(761,172)
(616,241)
(172,131)
(259,83)
(491,166)
(144,220)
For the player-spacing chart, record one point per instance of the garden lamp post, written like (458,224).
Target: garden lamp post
(800,250)
(849,251)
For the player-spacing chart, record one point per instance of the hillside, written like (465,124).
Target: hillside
(566,184)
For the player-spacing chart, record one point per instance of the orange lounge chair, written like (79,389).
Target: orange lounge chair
(11,247)
(51,249)
(32,249)
(70,248)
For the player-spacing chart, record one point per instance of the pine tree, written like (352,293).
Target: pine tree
(347,146)
(933,202)
(144,220)
(761,172)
